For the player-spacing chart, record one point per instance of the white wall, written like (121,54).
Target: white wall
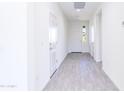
(13,46)
(24,44)
(31,49)
(75,36)
(38,45)
(112,42)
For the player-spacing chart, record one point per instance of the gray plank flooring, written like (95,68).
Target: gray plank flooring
(79,72)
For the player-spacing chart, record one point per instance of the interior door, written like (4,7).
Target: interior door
(53,43)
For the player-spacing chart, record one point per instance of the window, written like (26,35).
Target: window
(92,34)
(53,35)
(84,34)
(52,30)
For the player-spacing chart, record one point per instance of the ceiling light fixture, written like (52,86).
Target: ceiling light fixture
(79,5)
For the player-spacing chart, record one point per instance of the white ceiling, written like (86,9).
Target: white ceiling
(84,14)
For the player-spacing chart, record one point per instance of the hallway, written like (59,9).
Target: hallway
(80,72)
(79,44)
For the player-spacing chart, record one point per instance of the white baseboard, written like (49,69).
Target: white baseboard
(42,88)
(62,61)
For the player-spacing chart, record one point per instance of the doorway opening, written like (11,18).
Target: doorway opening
(99,35)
